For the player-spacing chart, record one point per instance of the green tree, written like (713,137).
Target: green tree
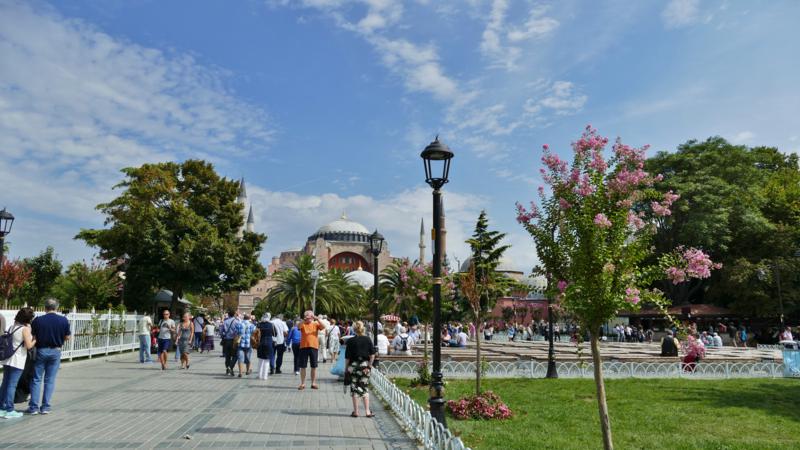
(83,285)
(44,270)
(176,224)
(741,204)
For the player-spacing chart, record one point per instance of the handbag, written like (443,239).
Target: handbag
(348,377)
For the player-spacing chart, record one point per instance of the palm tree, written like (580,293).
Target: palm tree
(295,288)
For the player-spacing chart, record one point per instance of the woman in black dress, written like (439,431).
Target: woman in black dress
(359,355)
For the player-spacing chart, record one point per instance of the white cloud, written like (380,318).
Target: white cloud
(562,98)
(743,137)
(77,105)
(493,44)
(681,13)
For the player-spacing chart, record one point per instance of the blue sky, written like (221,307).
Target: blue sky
(324,105)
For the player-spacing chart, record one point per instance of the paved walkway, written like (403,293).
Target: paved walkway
(115,402)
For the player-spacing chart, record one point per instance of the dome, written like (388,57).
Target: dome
(342,229)
(506,265)
(362,277)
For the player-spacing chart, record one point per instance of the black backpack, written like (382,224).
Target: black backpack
(404,341)
(7,349)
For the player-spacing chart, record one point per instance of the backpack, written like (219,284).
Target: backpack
(404,341)
(7,349)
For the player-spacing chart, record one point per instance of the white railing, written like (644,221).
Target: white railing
(414,417)
(95,333)
(769,347)
(611,369)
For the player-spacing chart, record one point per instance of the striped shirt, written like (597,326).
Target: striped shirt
(244,329)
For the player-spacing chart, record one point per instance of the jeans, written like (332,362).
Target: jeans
(277,356)
(9,387)
(198,339)
(230,353)
(48,360)
(244,355)
(144,348)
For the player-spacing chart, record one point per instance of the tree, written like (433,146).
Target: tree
(596,227)
(741,204)
(176,224)
(45,269)
(93,285)
(294,292)
(13,276)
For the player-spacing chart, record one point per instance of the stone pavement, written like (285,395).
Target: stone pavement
(115,402)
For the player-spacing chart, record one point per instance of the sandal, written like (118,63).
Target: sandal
(353,414)
(314,386)
(370,414)
(301,387)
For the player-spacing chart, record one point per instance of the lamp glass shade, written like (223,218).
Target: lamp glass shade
(376,243)
(6,221)
(436,158)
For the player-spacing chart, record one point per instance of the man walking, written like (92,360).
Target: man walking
(309,347)
(227,331)
(244,329)
(50,331)
(281,333)
(199,324)
(143,329)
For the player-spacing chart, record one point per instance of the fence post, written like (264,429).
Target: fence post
(73,328)
(108,330)
(92,337)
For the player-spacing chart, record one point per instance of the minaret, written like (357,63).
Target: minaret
(251,223)
(422,242)
(242,199)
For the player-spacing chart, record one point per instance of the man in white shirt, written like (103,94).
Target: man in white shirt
(461,338)
(717,340)
(143,329)
(401,344)
(786,335)
(199,323)
(279,341)
(383,344)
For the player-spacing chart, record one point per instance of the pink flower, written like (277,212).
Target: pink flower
(524,216)
(562,286)
(635,221)
(602,221)
(659,209)
(546,147)
(676,275)
(563,204)
(632,296)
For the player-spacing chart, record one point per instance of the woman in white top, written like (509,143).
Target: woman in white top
(208,337)
(13,366)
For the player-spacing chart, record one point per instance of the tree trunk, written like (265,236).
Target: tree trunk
(478,365)
(605,422)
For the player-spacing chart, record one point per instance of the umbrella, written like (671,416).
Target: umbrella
(390,318)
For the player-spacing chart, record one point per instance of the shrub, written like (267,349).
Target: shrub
(485,406)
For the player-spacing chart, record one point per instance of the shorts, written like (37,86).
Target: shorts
(164,345)
(244,354)
(308,354)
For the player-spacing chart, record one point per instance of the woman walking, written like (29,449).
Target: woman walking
(21,341)
(185,337)
(359,355)
(334,335)
(264,333)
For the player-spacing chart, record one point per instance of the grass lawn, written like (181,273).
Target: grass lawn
(645,414)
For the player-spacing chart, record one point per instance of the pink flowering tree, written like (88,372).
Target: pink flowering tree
(592,227)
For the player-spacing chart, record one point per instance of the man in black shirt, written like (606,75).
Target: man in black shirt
(51,331)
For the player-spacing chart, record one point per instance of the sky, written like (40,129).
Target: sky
(323,106)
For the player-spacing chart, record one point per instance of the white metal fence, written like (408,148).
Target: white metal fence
(414,417)
(95,333)
(611,369)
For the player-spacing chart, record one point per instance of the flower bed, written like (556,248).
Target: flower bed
(485,406)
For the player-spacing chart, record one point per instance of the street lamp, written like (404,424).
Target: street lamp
(436,158)
(6,221)
(375,247)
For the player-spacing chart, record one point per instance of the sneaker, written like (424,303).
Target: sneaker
(31,412)
(13,415)
(297,373)
(45,412)
(2,414)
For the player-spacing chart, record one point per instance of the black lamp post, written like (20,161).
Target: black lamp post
(375,247)
(6,221)
(436,157)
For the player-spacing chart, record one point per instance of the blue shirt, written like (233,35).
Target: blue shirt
(50,330)
(228,328)
(244,329)
(294,336)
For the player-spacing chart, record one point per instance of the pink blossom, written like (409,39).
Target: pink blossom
(598,163)
(659,209)
(602,221)
(540,189)
(525,216)
(632,296)
(564,204)
(676,275)
(562,286)
(635,221)
(585,188)
(546,147)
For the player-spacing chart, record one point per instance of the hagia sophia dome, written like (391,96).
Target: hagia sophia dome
(342,229)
